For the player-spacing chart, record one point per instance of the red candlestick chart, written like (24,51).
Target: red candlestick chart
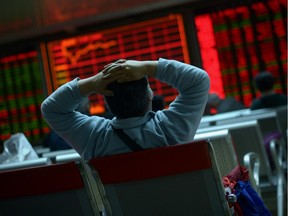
(85,55)
(238,43)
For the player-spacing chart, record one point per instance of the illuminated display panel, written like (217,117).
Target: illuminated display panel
(21,93)
(55,11)
(244,40)
(86,55)
(18,16)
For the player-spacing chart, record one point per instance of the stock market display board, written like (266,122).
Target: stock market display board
(21,93)
(87,54)
(237,43)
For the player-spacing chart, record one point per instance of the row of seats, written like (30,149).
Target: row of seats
(260,140)
(127,183)
(174,180)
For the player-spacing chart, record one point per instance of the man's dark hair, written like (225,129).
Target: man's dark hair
(131,99)
(264,81)
(158,103)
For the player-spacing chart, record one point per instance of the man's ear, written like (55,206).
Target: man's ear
(150,93)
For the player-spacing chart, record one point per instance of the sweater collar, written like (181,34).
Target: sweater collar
(132,122)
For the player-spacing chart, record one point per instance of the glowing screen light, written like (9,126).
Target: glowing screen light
(244,40)
(85,55)
(21,93)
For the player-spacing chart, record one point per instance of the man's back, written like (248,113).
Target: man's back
(94,136)
(264,82)
(269,101)
(229,104)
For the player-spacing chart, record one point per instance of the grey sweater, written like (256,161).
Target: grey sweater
(93,136)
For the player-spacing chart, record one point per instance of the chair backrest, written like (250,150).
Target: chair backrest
(53,154)
(224,149)
(25,164)
(268,121)
(67,158)
(247,137)
(211,120)
(279,113)
(282,117)
(269,124)
(174,180)
(56,189)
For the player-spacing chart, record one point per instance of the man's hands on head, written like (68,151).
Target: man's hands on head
(96,84)
(129,70)
(120,71)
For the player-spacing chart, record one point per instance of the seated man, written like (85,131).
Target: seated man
(264,82)
(127,93)
(217,105)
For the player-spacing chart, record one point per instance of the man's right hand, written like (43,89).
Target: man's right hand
(129,70)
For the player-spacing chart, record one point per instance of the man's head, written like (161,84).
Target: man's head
(213,100)
(131,99)
(264,81)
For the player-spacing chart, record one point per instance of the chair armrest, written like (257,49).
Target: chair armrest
(252,163)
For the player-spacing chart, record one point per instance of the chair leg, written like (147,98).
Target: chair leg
(275,148)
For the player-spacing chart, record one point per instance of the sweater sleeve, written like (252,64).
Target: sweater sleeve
(74,127)
(181,120)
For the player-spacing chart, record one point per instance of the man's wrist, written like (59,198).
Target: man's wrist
(151,67)
(87,86)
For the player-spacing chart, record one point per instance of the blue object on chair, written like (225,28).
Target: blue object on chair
(249,201)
